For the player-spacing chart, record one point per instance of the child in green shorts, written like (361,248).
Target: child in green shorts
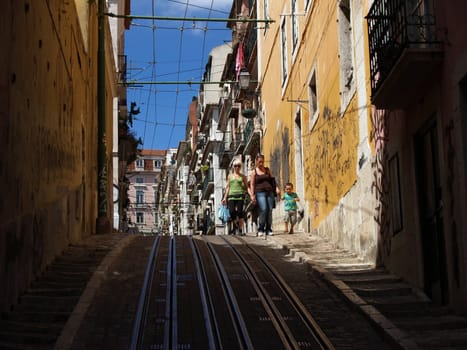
(290,205)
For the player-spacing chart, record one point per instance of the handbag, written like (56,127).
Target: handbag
(274,186)
(223,214)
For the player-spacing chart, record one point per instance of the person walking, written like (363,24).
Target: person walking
(234,196)
(263,189)
(290,206)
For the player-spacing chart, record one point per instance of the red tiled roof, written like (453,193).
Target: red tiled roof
(153,152)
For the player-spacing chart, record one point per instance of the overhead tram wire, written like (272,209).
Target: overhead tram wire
(154,75)
(178,28)
(184,19)
(178,78)
(192,19)
(200,7)
(204,44)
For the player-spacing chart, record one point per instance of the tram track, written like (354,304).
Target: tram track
(217,292)
(298,328)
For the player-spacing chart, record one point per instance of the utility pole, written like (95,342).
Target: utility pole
(102,222)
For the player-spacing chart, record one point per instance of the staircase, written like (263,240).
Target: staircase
(38,319)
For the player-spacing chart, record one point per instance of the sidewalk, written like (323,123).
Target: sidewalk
(403,314)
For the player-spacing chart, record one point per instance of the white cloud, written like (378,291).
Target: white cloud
(220,8)
(216,4)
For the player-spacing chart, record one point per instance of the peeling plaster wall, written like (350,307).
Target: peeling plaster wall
(337,151)
(48,127)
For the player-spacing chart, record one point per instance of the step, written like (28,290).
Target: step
(28,338)
(352,280)
(59,283)
(338,268)
(30,327)
(334,261)
(45,307)
(446,322)
(37,317)
(406,306)
(85,259)
(380,289)
(64,276)
(329,254)
(55,292)
(70,268)
(443,339)
(362,272)
(41,299)
(15,346)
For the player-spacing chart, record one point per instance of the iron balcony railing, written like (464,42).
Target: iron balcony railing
(122,69)
(250,43)
(208,179)
(248,130)
(393,27)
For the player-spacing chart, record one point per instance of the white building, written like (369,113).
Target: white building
(144,175)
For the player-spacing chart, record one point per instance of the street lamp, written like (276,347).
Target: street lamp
(244,78)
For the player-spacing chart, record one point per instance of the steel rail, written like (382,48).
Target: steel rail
(206,300)
(281,327)
(239,323)
(307,318)
(141,313)
(170,327)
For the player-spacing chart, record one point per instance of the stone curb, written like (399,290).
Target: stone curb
(65,340)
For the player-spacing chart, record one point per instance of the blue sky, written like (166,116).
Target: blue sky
(169,51)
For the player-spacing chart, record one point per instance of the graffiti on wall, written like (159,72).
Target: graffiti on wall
(329,159)
(279,158)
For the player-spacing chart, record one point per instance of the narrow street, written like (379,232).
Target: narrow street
(102,314)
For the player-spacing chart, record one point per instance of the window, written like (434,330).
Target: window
(157,164)
(346,70)
(139,180)
(140,163)
(313,100)
(139,218)
(155,180)
(139,197)
(284,51)
(294,19)
(265,13)
(395,190)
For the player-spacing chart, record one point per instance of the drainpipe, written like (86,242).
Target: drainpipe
(102,222)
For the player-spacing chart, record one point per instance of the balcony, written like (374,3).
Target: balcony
(404,50)
(208,184)
(227,109)
(237,144)
(122,69)
(226,154)
(251,135)
(141,205)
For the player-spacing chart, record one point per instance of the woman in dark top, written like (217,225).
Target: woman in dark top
(262,188)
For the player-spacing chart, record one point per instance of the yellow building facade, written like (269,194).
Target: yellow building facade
(49,127)
(316,114)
